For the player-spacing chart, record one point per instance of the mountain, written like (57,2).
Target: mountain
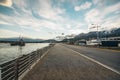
(93,35)
(102,34)
(29,40)
(50,41)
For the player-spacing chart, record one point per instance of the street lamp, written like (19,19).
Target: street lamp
(96,26)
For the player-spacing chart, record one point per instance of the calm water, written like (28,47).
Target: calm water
(8,52)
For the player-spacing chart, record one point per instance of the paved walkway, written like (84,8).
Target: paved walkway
(62,63)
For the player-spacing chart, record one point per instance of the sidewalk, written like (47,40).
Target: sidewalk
(62,63)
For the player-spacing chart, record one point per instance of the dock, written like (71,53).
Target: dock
(62,63)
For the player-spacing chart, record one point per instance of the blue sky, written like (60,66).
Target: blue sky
(47,19)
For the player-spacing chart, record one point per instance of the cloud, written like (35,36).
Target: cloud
(3,22)
(30,22)
(112,22)
(93,16)
(47,11)
(86,5)
(97,15)
(111,9)
(8,33)
(106,17)
(25,19)
(99,2)
(47,16)
(7,3)
(51,25)
(77,31)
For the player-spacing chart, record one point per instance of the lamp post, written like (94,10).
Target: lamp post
(96,26)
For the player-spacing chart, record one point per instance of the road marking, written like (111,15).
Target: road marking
(93,60)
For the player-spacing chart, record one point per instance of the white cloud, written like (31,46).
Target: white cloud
(7,3)
(53,21)
(47,11)
(25,19)
(106,24)
(99,2)
(4,19)
(96,1)
(110,9)
(113,22)
(93,16)
(3,22)
(47,17)
(74,27)
(77,31)
(99,16)
(44,8)
(8,33)
(86,5)
(51,25)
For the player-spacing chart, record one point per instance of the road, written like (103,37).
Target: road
(62,63)
(108,57)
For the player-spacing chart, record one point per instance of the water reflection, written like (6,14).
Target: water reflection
(20,50)
(8,52)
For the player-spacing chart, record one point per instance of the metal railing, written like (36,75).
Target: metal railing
(13,69)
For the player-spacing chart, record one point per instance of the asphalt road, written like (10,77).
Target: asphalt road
(108,57)
(61,63)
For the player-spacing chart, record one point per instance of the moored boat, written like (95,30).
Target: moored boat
(18,43)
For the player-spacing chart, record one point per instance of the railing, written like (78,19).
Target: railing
(13,69)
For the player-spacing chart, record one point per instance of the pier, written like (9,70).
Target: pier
(64,62)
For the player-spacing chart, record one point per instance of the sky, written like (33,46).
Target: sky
(46,19)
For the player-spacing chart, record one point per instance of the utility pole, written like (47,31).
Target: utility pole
(96,26)
(97,33)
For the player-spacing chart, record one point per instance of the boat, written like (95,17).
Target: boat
(18,43)
(93,42)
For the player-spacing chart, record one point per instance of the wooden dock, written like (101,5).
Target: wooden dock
(61,63)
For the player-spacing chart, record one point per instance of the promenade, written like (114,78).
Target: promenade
(62,63)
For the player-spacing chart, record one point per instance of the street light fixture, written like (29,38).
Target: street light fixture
(96,26)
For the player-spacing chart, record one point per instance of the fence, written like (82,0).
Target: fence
(13,69)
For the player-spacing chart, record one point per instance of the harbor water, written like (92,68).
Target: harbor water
(8,52)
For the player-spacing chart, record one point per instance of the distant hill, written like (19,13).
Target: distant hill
(102,34)
(93,35)
(50,41)
(29,40)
